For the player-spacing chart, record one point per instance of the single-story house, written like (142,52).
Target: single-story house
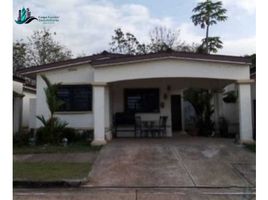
(23,92)
(97,87)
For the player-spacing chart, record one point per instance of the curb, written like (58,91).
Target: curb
(49,184)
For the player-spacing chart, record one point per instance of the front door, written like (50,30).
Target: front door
(176,112)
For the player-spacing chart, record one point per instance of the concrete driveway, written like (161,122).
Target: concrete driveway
(175,162)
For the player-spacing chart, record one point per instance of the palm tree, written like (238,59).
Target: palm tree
(51,91)
(52,126)
(207,14)
(214,43)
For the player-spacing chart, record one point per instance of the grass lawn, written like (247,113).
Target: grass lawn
(72,148)
(49,171)
(251,147)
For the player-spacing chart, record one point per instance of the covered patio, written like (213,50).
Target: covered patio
(153,98)
(168,75)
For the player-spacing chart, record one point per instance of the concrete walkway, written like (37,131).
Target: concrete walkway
(177,162)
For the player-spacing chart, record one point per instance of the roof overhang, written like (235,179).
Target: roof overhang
(31,70)
(66,63)
(109,59)
(130,61)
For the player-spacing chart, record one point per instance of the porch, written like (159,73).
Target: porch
(153,99)
(154,88)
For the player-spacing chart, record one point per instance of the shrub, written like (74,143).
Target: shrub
(21,139)
(70,134)
(51,132)
(201,101)
(43,136)
(88,135)
(85,136)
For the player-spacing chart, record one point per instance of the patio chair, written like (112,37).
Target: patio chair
(159,130)
(123,122)
(138,126)
(162,126)
(148,128)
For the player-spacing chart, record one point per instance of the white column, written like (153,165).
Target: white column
(108,132)
(245,116)
(99,114)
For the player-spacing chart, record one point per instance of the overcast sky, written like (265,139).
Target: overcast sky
(86,26)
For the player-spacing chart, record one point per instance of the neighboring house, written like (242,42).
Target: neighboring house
(17,102)
(23,93)
(97,87)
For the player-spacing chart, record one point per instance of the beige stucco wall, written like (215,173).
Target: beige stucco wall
(18,87)
(26,107)
(171,68)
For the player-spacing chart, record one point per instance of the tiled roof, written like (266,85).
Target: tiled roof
(179,55)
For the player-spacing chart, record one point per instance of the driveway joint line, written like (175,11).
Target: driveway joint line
(179,158)
(240,173)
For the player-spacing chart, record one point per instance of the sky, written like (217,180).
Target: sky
(86,26)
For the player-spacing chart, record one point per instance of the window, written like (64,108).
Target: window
(75,97)
(142,100)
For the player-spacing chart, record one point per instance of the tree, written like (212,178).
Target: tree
(43,49)
(207,14)
(40,48)
(201,101)
(161,39)
(52,127)
(214,43)
(51,91)
(126,43)
(19,55)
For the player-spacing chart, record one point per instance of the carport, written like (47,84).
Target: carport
(170,72)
